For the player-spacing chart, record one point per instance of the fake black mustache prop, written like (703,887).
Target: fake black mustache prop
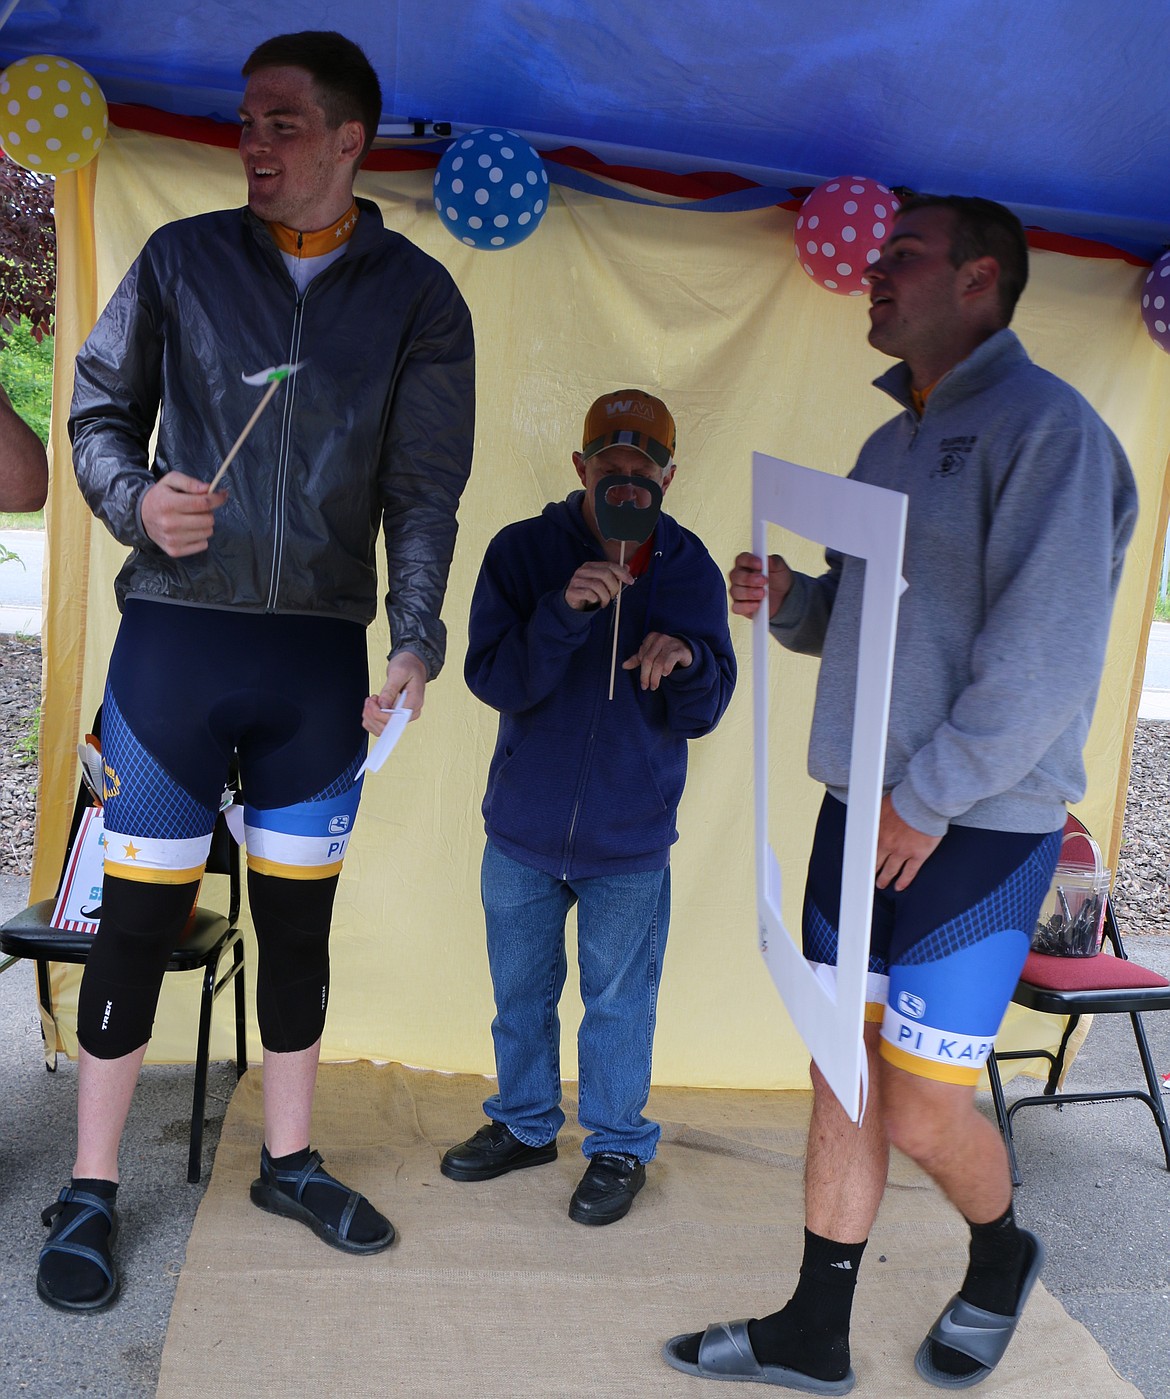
(631,521)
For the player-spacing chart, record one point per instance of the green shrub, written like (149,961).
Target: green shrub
(26,371)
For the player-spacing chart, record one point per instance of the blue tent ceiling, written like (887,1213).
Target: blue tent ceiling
(1056,107)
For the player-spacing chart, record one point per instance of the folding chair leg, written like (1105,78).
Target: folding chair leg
(1002,1116)
(1157,1106)
(241,1020)
(1058,1059)
(45,996)
(202,1054)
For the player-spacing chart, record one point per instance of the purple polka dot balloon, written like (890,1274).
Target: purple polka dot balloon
(840,231)
(1156,303)
(491,188)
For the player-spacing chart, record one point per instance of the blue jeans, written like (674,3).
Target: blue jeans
(621,935)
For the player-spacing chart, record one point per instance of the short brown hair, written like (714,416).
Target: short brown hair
(983,228)
(344,76)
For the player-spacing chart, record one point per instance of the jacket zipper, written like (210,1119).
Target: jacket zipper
(285,444)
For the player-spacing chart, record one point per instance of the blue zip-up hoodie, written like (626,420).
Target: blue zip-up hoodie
(581,785)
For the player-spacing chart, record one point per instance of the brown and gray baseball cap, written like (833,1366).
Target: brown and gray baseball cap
(630,418)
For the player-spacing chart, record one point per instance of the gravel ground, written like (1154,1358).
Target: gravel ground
(1141,890)
(20,696)
(1141,894)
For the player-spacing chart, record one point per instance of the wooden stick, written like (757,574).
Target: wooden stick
(617,621)
(239,442)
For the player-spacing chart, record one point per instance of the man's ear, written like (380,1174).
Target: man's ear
(579,463)
(668,476)
(353,138)
(980,276)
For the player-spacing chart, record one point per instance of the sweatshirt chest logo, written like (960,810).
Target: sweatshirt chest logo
(952,455)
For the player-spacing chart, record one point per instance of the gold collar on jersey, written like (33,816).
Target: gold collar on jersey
(318,243)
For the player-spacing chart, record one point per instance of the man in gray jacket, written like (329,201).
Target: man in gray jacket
(1011,476)
(244,609)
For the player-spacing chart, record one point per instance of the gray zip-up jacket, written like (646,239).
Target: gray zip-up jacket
(1021,505)
(375,430)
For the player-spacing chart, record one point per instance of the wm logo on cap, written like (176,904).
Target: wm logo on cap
(627,407)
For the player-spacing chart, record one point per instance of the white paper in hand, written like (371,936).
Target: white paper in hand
(398,720)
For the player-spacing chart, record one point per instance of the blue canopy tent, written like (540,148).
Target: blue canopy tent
(642,118)
(1058,110)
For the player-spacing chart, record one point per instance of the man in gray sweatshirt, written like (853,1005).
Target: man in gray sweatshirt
(1011,477)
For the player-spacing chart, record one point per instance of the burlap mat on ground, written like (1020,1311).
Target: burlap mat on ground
(491,1290)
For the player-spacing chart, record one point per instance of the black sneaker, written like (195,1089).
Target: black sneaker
(607,1188)
(493,1151)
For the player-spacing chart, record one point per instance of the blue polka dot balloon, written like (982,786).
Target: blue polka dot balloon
(491,188)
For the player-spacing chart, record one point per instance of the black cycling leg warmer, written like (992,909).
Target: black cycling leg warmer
(292,918)
(140,927)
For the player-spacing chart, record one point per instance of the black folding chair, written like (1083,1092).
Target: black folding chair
(30,934)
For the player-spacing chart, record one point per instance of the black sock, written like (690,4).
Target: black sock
(810,1334)
(998,1260)
(327,1202)
(66,1276)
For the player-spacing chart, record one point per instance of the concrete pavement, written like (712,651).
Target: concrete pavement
(115,1355)
(20,580)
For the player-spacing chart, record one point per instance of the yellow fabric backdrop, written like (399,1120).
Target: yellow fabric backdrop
(712,312)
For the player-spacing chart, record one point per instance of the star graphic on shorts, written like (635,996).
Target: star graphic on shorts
(132,851)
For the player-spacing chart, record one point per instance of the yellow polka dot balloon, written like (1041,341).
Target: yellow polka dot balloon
(53,116)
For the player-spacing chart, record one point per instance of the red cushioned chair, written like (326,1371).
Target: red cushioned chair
(1075,986)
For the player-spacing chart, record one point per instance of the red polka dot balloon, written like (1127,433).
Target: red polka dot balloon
(840,231)
(1156,302)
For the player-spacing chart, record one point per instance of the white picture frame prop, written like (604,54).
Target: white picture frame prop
(867,522)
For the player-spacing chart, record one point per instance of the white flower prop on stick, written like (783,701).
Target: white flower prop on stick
(273,377)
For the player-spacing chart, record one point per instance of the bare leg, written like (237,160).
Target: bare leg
(845,1178)
(846,1166)
(938,1126)
(65,1279)
(289,1080)
(104,1090)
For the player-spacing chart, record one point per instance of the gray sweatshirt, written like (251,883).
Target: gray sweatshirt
(1021,504)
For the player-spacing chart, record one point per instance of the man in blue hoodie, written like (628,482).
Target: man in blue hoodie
(582,795)
(1011,476)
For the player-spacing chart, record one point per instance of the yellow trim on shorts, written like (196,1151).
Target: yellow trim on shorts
(875,1012)
(274,867)
(927,1068)
(147,874)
